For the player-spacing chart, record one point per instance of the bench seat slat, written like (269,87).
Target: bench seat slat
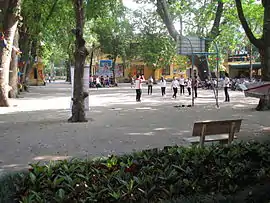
(216,127)
(209,138)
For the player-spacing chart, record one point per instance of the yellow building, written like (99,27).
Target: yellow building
(36,75)
(239,66)
(139,67)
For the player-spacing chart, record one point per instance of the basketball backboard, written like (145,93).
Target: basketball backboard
(190,45)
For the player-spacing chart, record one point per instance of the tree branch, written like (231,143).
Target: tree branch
(163,11)
(215,28)
(51,12)
(256,42)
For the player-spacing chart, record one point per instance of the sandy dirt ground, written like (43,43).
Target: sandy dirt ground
(35,128)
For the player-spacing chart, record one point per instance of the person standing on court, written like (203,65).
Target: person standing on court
(138,87)
(150,85)
(174,86)
(163,86)
(195,86)
(226,87)
(182,85)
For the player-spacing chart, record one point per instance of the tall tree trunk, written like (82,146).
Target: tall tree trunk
(154,75)
(199,62)
(25,44)
(70,63)
(266,42)
(78,114)
(13,75)
(262,44)
(26,58)
(68,73)
(91,61)
(264,103)
(10,25)
(163,11)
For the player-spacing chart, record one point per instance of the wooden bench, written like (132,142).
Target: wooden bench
(211,131)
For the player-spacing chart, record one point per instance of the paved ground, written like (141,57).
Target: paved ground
(36,127)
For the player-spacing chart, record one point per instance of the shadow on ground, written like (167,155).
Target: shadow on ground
(116,124)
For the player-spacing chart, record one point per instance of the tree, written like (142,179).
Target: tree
(114,35)
(95,9)
(10,22)
(167,12)
(36,22)
(59,49)
(232,38)
(157,51)
(13,75)
(155,47)
(78,114)
(262,43)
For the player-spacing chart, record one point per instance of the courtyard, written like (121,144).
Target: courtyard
(35,128)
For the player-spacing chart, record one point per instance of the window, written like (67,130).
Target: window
(166,70)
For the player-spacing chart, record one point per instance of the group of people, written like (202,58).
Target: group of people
(101,81)
(181,84)
(175,84)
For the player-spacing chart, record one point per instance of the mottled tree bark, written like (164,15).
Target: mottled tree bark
(25,44)
(13,75)
(78,114)
(163,11)
(263,44)
(68,73)
(11,16)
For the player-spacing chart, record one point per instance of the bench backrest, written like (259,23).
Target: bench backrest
(216,127)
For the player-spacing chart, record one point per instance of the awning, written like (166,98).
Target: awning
(245,66)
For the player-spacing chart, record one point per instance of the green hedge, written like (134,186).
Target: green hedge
(177,174)
(9,183)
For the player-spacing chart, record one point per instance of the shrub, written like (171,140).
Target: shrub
(9,183)
(149,176)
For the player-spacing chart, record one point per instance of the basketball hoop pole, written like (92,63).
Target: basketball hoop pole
(192,67)
(217,66)
(196,46)
(216,47)
(192,79)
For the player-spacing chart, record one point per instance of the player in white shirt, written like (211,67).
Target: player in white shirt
(163,86)
(150,85)
(138,87)
(174,86)
(182,84)
(226,87)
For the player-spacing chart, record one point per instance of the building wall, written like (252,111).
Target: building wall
(139,67)
(233,73)
(36,75)
(236,72)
